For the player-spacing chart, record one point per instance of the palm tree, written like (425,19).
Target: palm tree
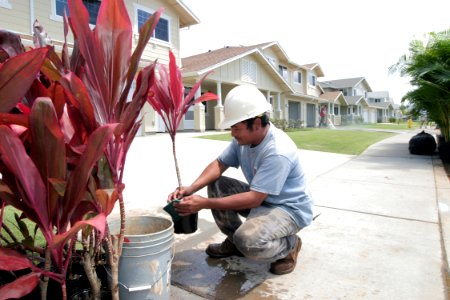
(428,66)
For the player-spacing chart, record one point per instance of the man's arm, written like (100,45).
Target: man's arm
(211,173)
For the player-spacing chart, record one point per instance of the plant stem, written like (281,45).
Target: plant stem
(64,290)
(88,263)
(89,269)
(115,246)
(176,162)
(44,281)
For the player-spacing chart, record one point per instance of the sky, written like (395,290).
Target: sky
(347,38)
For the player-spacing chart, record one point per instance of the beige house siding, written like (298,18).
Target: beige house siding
(265,80)
(270,53)
(157,49)
(360,89)
(299,87)
(313,91)
(228,72)
(15,15)
(16,18)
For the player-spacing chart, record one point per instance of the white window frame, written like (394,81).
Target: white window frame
(272,61)
(5,4)
(299,76)
(284,73)
(310,76)
(249,71)
(55,17)
(151,11)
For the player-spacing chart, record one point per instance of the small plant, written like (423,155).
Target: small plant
(167,99)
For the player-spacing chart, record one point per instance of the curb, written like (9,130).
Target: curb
(443,204)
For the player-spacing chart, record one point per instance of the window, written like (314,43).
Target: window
(283,72)
(92,7)
(249,71)
(336,110)
(162,28)
(297,77)
(312,79)
(272,61)
(5,4)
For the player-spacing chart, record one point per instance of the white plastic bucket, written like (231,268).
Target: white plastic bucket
(145,263)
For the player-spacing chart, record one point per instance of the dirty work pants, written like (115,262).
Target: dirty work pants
(268,233)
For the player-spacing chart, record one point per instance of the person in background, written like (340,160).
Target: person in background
(323,115)
(275,202)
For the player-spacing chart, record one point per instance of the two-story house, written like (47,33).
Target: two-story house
(292,89)
(355,108)
(386,108)
(19,16)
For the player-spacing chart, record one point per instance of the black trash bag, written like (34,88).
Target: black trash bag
(443,149)
(422,144)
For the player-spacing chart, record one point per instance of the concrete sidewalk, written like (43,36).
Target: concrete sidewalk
(378,235)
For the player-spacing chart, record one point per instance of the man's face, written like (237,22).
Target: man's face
(242,134)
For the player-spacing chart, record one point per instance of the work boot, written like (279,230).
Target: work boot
(287,265)
(224,249)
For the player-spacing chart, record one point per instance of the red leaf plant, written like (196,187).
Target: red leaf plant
(166,96)
(29,178)
(103,69)
(70,127)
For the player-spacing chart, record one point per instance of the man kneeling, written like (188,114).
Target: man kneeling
(275,203)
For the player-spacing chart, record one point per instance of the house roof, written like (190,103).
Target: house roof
(334,97)
(353,100)
(315,67)
(383,105)
(276,48)
(187,17)
(202,63)
(215,58)
(344,83)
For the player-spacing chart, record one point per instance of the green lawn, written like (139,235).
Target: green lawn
(387,126)
(9,220)
(327,140)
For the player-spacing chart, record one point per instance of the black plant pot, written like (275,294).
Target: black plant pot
(187,224)
(85,294)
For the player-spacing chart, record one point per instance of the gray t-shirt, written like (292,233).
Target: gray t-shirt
(273,168)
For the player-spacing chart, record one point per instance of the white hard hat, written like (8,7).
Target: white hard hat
(241,103)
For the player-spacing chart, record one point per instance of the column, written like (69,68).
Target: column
(218,109)
(199,114)
(278,113)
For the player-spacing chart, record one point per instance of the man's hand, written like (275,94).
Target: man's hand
(190,205)
(179,193)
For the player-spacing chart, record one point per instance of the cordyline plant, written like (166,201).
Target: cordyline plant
(89,95)
(38,177)
(107,68)
(166,96)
